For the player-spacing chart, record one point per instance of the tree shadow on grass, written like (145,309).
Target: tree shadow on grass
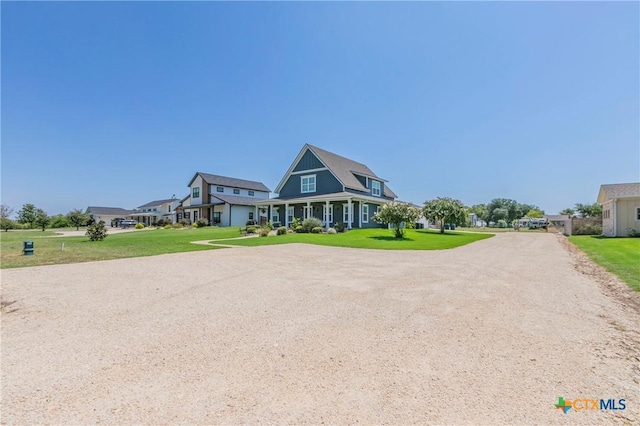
(390,238)
(447,234)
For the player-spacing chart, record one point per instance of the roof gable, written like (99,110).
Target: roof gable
(231,182)
(618,190)
(158,202)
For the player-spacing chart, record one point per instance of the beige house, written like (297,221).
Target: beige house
(620,208)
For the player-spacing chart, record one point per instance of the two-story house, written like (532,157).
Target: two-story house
(157,210)
(329,187)
(221,200)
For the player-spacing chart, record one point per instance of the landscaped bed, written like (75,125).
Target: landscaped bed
(377,238)
(620,256)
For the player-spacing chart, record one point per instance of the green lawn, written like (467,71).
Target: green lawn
(620,256)
(372,239)
(80,249)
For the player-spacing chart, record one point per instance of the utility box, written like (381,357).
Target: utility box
(27,248)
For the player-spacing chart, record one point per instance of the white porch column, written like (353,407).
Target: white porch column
(326,214)
(309,211)
(269,207)
(286,215)
(350,213)
(359,214)
(256,214)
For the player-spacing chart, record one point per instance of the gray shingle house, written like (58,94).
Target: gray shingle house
(620,208)
(329,187)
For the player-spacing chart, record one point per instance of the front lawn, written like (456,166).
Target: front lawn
(620,256)
(371,239)
(48,247)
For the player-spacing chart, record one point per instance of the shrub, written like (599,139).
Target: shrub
(588,229)
(202,222)
(167,226)
(316,230)
(269,225)
(339,227)
(264,232)
(299,229)
(635,233)
(59,221)
(6,224)
(281,230)
(312,222)
(177,226)
(502,224)
(250,223)
(331,231)
(160,222)
(251,229)
(139,226)
(295,223)
(185,222)
(96,231)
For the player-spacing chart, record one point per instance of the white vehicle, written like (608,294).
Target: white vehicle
(538,223)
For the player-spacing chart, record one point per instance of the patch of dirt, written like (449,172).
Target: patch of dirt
(4,306)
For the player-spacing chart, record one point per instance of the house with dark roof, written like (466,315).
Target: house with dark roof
(157,210)
(108,214)
(221,200)
(329,187)
(620,208)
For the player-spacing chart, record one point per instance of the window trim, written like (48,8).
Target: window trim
(376,185)
(219,189)
(637,213)
(236,191)
(291,216)
(195,192)
(365,213)
(308,177)
(345,213)
(251,193)
(275,212)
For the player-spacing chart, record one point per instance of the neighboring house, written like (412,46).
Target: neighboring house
(329,187)
(475,221)
(560,221)
(620,208)
(157,210)
(107,214)
(221,200)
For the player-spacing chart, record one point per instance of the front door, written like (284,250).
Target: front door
(328,214)
(307,212)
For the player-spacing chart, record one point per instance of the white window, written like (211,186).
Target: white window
(307,212)
(236,191)
(275,214)
(365,213)
(251,193)
(637,213)
(308,184)
(289,214)
(219,189)
(345,213)
(195,193)
(327,213)
(375,188)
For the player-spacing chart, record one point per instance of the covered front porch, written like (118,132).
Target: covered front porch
(350,209)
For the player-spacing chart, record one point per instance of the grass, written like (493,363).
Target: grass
(372,239)
(620,256)
(80,249)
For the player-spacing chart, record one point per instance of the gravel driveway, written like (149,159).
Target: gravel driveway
(492,332)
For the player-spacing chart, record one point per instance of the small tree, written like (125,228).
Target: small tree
(535,213)
(568,211)
(5,214)
(445,210)
(42,219)
(77,218)
(96,231)
(27,214)
(396,214)
(589,210)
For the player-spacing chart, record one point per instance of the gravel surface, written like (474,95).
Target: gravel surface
(492,332)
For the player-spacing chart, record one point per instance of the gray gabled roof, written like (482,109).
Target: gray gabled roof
(157,202)
(234,200)
(117,211)
(345,169)
(231,182)
(618,190)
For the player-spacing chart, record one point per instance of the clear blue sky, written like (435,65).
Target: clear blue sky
(118,104)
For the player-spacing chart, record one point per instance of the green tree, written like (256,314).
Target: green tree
(396,214)
(5,213)
(27,214)
(96,231)
(59,221)
(42,219)
(77,218)
(589,210)
(480,210)
(569,211)
(535,213)
(445,210)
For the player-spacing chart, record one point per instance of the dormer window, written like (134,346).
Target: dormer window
(308,184)
(236,191)
(196,192)
(375,188)
(219,189)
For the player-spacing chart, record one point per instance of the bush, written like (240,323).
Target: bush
(250,223)
(312,222)
(167,226)
(502,224)
(200,223)
(281,231)
(295,223)
(251,229)
(299,229)
(139,226)
(269,225)
(96,231)
(635,233)
(588,229)
(331,231)
(59,221)
(160,222)
(185,222)
(316,230)
(340,227)
(264,232)
(177,226)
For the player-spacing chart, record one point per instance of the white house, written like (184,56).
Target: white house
(223,201)
(620,208)
(107,214)
(157,210)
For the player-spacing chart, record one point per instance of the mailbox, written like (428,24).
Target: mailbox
(27,248)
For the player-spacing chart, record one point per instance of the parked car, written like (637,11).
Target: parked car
(128,223)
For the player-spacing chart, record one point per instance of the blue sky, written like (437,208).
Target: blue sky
(118,104)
